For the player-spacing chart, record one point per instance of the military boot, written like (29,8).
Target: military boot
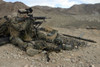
(64,43)
(67,46)
(31,51)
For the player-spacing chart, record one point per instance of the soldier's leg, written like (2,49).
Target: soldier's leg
(55,38)
(68,43)
(52,47)
(28,47)
(4,40)
(64,43)
(18,42)
(31,51)
(43,45)
(48,34)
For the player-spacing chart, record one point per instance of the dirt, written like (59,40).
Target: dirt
(11,56)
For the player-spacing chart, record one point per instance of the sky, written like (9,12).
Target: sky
(55,3)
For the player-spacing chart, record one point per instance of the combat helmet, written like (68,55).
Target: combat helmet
(24,12)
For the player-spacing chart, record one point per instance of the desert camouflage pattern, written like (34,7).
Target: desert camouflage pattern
(23,34)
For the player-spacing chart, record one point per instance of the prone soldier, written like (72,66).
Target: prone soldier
(26,34)
(23,32)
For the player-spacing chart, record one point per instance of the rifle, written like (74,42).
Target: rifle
(40,18)
(36,19)
(30,16)
(88,40)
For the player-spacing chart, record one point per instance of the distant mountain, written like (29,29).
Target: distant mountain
(78,16)
(75,9)
(49,9)
(9,7)
(84,9)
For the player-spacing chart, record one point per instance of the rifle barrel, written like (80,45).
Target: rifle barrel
(39,17)
(80,38)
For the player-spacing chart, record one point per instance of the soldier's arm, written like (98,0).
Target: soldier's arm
(15,25)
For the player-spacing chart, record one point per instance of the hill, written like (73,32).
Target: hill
(65,18)
(78,16)
(85,9)
(8,7)
(75,9)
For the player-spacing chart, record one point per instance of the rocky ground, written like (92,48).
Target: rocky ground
(11,56)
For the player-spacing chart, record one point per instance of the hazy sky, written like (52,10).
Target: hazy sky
(55,3)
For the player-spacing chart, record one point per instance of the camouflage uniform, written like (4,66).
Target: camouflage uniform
(22,34)
(4,27)
(60,41)
(52,36)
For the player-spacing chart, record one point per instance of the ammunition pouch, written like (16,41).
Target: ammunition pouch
(51,36)
(48,36)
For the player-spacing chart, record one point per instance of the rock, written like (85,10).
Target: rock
(8,57)
(25,58)
(72,54)
(73,60)
(88,52)
(53,61)
(44,52)
(91,66)
(31,66)
(61,66)
(68,60)
(26,65)
(58,66)
(19,55)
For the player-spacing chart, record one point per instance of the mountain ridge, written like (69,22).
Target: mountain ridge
(9,7)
